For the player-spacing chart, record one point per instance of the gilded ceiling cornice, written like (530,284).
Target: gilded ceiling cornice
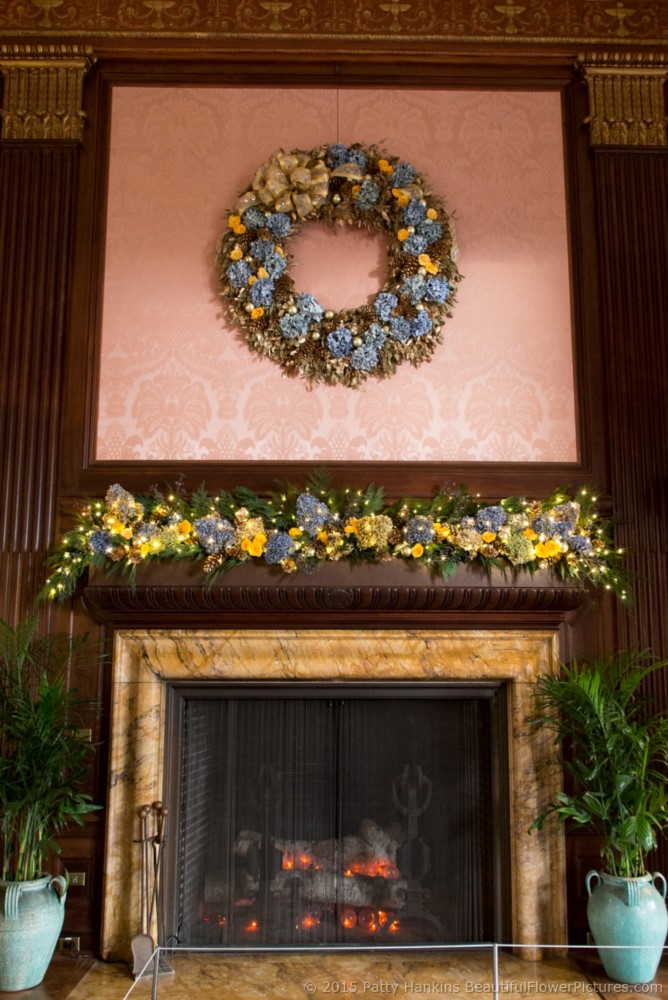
(551,21)
(626,98)
(43,91)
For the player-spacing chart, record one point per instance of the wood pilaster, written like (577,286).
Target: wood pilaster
(38,182)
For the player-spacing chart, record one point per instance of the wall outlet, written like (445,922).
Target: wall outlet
(76,879)
(69,944)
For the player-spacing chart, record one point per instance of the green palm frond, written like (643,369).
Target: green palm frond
(614,751)
(45,754)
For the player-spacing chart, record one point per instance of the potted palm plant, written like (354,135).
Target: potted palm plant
(45,756)
(614,751)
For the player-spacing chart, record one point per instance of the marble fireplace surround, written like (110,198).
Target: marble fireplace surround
(146,661)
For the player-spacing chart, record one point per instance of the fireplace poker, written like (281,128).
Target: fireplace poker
(142,943)
(157,843)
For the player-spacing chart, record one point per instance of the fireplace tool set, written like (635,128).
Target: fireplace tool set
(151,842)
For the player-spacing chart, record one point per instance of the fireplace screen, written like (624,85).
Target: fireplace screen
(337,819)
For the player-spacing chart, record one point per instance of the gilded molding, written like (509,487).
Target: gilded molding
(582,22)
(626,98)
(44,90)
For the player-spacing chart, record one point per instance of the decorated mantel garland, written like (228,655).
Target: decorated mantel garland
(354,186)
(297,530)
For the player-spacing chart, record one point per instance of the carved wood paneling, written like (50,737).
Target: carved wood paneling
(338,595)
(632,199)
(37,189)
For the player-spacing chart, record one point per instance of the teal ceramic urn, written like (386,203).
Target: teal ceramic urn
(628,912)
(31,919)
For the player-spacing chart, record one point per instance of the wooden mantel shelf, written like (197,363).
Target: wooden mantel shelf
(392,594)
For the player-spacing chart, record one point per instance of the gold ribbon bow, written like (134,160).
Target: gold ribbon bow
(288,182)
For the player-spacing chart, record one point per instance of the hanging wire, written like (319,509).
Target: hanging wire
(337,116)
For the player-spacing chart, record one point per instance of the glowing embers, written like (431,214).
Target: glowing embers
(298,860)
(364,920)
(369,920)
(374,868)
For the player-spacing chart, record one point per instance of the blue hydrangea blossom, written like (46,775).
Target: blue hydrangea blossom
(340,342)
(100,542)
(214,533)
(238,273)
(279,224)
(312,514)
(419,530)
(384,303)
(279,547)
(364,358)
(262,292)
(293,326)
(491,519)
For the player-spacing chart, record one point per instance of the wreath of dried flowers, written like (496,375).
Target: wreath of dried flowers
(356,186)
(297,530)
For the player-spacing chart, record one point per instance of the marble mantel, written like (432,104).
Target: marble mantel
(147,660)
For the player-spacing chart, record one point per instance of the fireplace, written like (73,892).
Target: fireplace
(324,815)
(487,674)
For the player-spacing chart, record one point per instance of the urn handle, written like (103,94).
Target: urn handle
(655,876)
(11,904)
(59,884)
(588,877)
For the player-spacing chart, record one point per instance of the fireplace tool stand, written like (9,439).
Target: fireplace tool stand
(151,842)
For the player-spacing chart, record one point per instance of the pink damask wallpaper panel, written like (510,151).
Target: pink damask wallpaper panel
(176,380)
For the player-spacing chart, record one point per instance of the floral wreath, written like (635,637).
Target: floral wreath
(298,530)
(348,186)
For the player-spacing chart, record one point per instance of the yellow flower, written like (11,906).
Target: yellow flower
(432,213)
(252,279)
(322,536)
(257,312)
(256,547)
(126,533)
(185,527)
(236,254)
(351,526)
(262,272)
(245,544)
(144,549)
(403,234)
(425,261)
(117,527)
(295,532)
(488,536)
(385,167)
(441,530)
(417,550)
(279,250)
(545,550)
(530,534)
(401,196)
(356,189)
(236,225)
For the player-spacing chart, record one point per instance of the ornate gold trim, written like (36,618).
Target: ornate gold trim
(44,90)
(626,98)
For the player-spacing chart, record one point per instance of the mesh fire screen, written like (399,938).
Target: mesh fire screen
(336,819)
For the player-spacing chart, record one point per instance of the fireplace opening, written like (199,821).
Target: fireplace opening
(329,815)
